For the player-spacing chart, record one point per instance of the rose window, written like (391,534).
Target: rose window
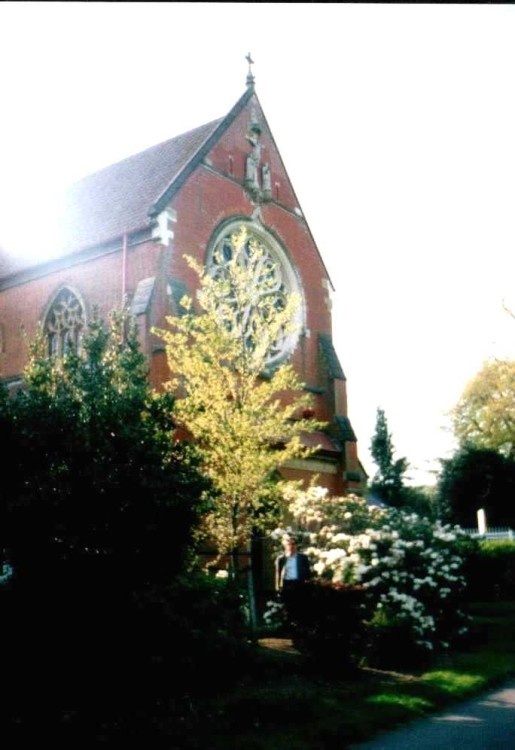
(273,280)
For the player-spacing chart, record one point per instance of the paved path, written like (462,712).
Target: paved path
(484,723)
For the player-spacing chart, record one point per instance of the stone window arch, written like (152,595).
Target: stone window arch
(64,323)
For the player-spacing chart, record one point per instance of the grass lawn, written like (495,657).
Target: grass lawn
(286,703)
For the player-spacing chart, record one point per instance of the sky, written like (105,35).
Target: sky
(396,124)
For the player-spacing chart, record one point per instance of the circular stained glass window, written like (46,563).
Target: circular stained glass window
(273,280)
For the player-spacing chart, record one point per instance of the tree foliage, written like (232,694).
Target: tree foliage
(477,478)
(99,507)
(420,500)
(244,416)
(93,475)
(387,483)
(485,413)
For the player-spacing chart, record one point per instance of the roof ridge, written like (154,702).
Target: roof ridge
(216,132)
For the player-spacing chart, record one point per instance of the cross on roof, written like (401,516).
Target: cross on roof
(250,76)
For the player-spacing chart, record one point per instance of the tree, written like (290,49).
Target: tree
(244,415)
(485,413)
(387,483)
(420,500)
(99,509)
(93,473)
(477,478)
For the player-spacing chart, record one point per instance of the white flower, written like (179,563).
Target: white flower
(361,570)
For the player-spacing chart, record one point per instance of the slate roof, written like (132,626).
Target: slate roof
(118,198)
(5,260)
(345,430)
(122,197)
(334,367)
(317,438)
(9,263)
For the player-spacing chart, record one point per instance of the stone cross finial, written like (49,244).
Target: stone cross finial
(250,76)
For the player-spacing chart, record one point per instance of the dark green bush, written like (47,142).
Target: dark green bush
(196,630)
(490,570)
(328,624)
(392,646)
(98,505)
(88,648)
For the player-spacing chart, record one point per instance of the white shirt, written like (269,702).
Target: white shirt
(290,570)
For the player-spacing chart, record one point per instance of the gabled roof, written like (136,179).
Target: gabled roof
(123,197)
(118,198)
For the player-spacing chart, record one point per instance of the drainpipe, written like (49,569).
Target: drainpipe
(124,268)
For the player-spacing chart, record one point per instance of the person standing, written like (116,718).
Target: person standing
(292,570)
(291,567)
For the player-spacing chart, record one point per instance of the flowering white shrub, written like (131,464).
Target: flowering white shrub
(6,573)
(409,565)
(274,615)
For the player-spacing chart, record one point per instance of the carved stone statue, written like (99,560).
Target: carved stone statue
(252,164)
(266,182)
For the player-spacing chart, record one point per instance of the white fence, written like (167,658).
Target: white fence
(492,533)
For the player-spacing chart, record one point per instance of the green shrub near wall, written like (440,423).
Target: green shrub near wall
(490,570)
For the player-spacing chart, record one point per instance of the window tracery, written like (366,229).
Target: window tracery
(273,281)
(64,324)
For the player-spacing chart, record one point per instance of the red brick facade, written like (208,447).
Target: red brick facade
(137,254)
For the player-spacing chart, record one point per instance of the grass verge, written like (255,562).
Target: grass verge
(287,704)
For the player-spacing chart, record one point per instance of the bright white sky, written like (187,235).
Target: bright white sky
(396,124)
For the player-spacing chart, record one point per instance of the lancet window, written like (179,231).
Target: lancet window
(64,323)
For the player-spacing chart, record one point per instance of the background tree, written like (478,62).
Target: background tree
(421,500)
(244,416)
(485,413)
(477,478)
(387,483)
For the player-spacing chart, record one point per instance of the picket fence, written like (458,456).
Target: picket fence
(492,533)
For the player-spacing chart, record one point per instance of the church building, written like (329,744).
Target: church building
(126,231)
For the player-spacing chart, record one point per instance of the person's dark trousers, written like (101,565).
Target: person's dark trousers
(293,598)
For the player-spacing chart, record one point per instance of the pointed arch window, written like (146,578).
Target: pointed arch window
(64,323)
